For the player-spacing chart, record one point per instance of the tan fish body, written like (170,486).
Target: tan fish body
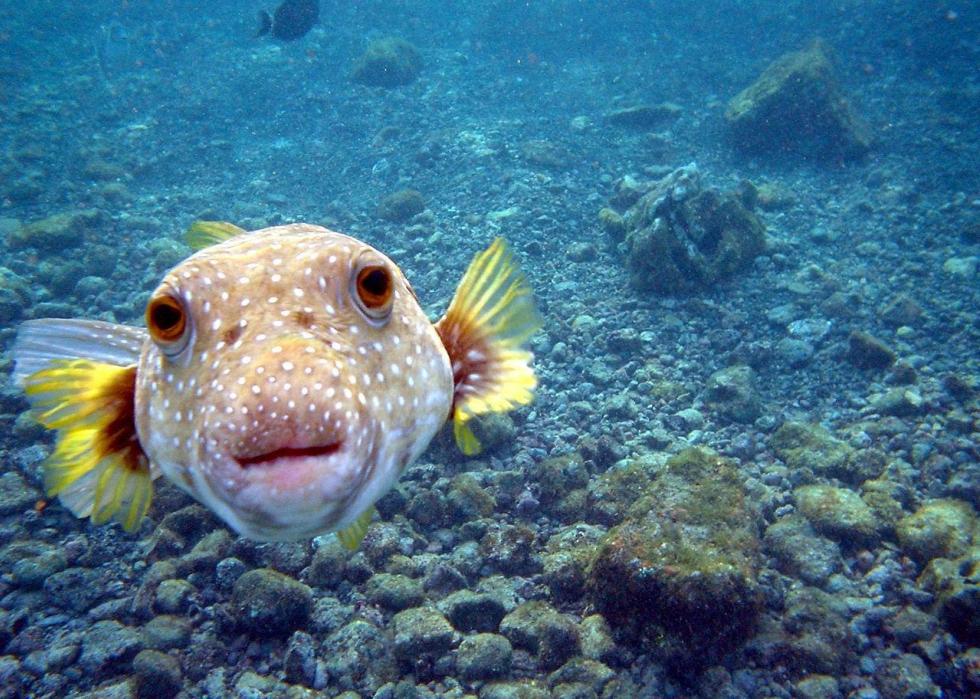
(288,377)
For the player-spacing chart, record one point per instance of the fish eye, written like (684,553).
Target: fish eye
(167,323)
(373,291)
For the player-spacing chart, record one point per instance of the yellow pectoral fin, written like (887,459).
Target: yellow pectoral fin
(352,536)
(204,234)
(490,318)
(98,468)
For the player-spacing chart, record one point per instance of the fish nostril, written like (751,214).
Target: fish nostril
(289,453)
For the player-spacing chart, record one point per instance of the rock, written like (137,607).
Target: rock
(583,671)
(15,296)
(167,632)
(837,512)
(596,639)
(473,611)
(525,689)
(568,554)
(685,561)
(911,625)
(485,656)
(467,499)
(800,552)
(358,654)
(107,644)
(643,116)
(905,677)
(810,446)
(401,206)
(15,494)
(797,106)
(731,393)
(900,311)
(580,252)
(963,267)
(868,352)
(158,675)
(810,636)
(938,529)
(615,491)
(299,663)
(75,589)
(510,549)
(544,153)
(174,596)
(613,224)
(394,592)
(540,629)
(387,62)
(32,571)
(494,431)
(268,603)
(681,238)
(957,592)
(818,687)
(421,634)
(58,232)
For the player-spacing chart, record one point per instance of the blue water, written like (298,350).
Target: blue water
(154,115)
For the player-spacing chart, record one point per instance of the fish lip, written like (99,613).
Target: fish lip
(318,451)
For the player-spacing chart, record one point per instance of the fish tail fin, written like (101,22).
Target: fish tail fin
(98,468)
(489,319)
(203,234)
(265,24)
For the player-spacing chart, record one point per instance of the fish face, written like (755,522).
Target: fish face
(289,378)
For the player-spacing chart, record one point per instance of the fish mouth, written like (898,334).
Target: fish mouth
(286,454)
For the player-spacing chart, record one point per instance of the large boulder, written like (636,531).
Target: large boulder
(797,106)
(682,238)
(387,62)
(685,562)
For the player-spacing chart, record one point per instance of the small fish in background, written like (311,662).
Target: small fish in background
(285,379)
(291,21)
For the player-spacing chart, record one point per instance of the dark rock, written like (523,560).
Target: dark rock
(174,596)
(394,592)
(911,625)
(868,352)
(166,632)
(797,106)
(901,310)
(388,62)
(75,589)
(510,549)
(681,238)
(685,561)
(299,663)
(643,116)
(401,206)
(583,671)
(268,603)
(484,656)
(158,675)
(473,611)
(15,494)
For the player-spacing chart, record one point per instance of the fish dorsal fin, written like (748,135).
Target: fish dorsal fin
(98,468)
(203,234)
(489,319)
(39,342)
(351,536)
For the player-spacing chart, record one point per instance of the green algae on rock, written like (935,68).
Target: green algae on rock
(938,529)
(682,568)
(268,603)
(797,106)
(57,232)
(810,446)
(839,513)
(387,62)
(401,205)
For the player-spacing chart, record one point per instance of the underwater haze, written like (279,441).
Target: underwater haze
(752,463)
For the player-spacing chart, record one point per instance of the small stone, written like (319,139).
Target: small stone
(643,116)
(800,552)
(911,625)
(31,572)
(899,401)
(106,644)
(401,206)
(963,267)
(166,632)
(581,252)
(731,392)
(484,656)
(583,671)
(268,603)
(868,352)
(158,675)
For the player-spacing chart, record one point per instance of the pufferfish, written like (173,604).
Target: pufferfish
(285,379)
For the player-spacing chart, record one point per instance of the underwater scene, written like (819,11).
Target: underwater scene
(496,349)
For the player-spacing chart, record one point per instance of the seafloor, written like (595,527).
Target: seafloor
(821,540)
